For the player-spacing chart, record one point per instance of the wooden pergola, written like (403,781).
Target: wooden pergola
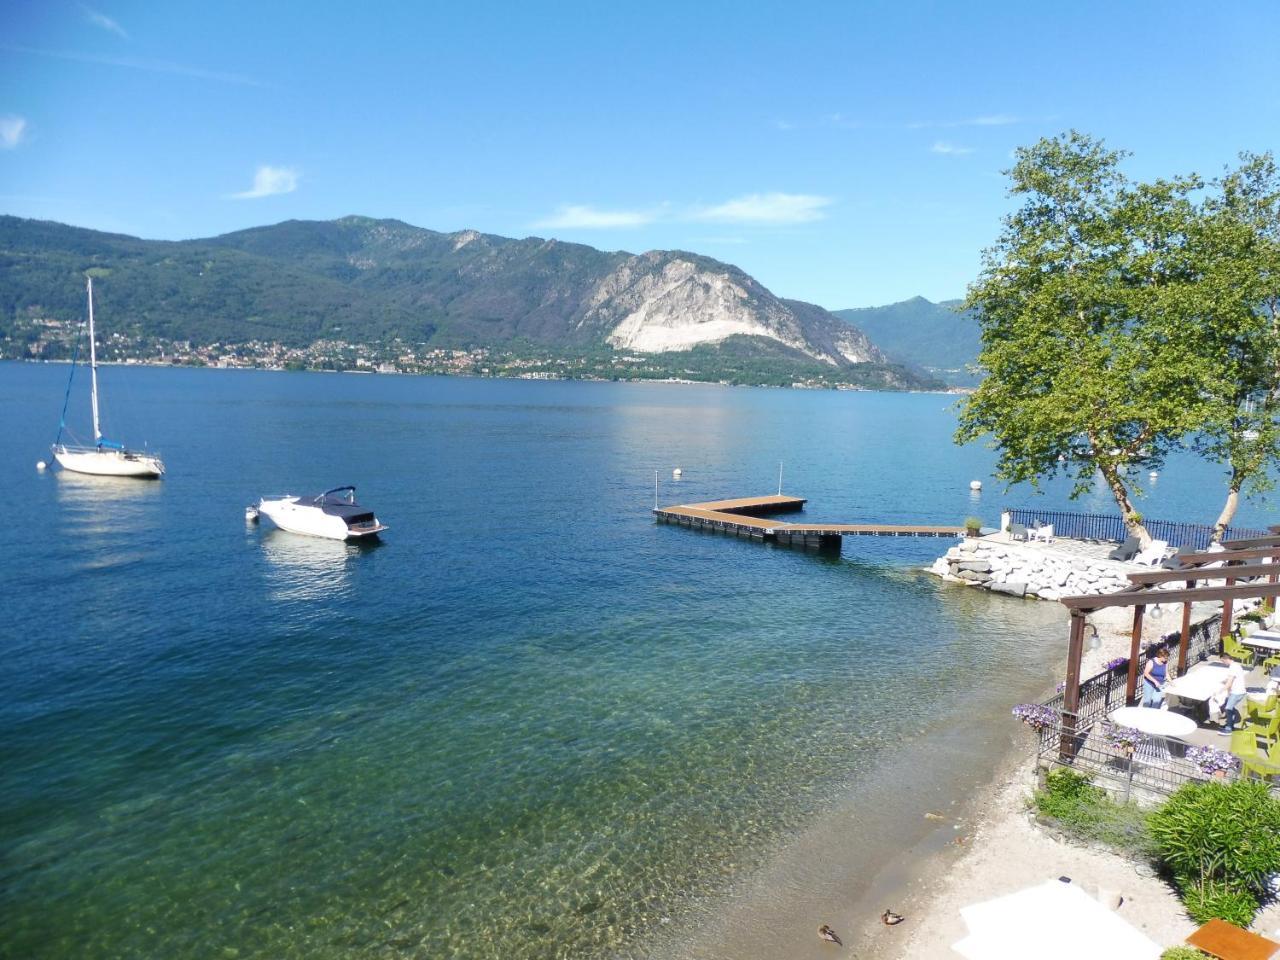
(1234,559)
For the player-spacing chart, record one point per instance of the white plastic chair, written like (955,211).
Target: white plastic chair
(1153,555)
(1044,533)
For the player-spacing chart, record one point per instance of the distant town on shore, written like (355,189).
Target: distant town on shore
(366,295)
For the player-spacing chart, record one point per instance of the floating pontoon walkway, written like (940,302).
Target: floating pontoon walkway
(737,517)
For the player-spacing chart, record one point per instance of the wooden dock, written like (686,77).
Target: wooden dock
(739,517)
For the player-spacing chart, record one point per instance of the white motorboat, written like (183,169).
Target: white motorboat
(333,514)
(106,458)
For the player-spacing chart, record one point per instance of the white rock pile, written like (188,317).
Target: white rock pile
(1028,570)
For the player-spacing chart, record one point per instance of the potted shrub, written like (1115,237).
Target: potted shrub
(1037,716)
(1213,762)
(1123,740)
(972,526)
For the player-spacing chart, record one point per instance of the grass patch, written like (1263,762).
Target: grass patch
(1087,813)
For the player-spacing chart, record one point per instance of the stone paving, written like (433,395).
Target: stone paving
(1090,549)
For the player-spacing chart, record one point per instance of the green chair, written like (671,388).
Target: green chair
(1237,650)
(1254,709)
(1266,727)
(1244,744)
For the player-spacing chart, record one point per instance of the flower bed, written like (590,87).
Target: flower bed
(1037,716)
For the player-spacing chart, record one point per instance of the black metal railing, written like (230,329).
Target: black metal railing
(1106,691)
(1093,526)
(1155,765)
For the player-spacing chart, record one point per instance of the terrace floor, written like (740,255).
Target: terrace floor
(1088,549)
(1159,765)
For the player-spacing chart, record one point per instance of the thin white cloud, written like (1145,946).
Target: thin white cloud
(985,120)
(269,181)
(131,63)
(99,19)
(842,120)
(752,208)
(13,130)
(767,208)
(784,125)
(580,216)
(949,149)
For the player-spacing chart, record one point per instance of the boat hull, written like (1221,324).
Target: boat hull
(307,520)
(110,463)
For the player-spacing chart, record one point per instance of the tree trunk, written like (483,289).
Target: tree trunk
(1121,493)
(1228,509)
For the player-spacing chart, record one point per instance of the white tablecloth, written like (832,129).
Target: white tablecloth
(1263,640)
(1199,683)
(1162,723)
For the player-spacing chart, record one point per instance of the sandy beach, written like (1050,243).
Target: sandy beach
(1008,852)
(1005,850)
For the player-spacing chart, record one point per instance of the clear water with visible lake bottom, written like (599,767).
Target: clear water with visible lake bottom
(530,723)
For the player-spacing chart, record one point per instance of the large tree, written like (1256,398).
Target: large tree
(1237,246)
(1085,301)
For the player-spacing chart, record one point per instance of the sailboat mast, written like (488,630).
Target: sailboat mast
(93,368)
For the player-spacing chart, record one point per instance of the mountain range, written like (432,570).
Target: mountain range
(939,338)
(364,280)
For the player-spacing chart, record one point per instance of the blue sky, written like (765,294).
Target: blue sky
(847,154)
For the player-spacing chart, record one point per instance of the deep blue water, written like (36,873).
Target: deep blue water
(531,723)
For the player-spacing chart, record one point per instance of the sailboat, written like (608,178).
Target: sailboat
(106,458)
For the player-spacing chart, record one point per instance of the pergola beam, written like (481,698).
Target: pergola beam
(1136,598)
(1248,542)
(1210,556)
(1131,687)
(1071,695)
(1242,572)
(1184,638)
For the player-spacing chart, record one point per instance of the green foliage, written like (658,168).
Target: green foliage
(1086,812)
(1089,364)
(1218,834)
(1183,953)
(1240,234)
(1207,900)
(1064,791)
(973,523)
(1122,319)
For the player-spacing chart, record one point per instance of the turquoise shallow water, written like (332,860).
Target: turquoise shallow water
(531,723)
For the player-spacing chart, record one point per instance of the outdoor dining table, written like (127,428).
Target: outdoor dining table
(1263,640)
(1199,683)
(1161,723)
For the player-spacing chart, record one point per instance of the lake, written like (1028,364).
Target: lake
(530,723)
